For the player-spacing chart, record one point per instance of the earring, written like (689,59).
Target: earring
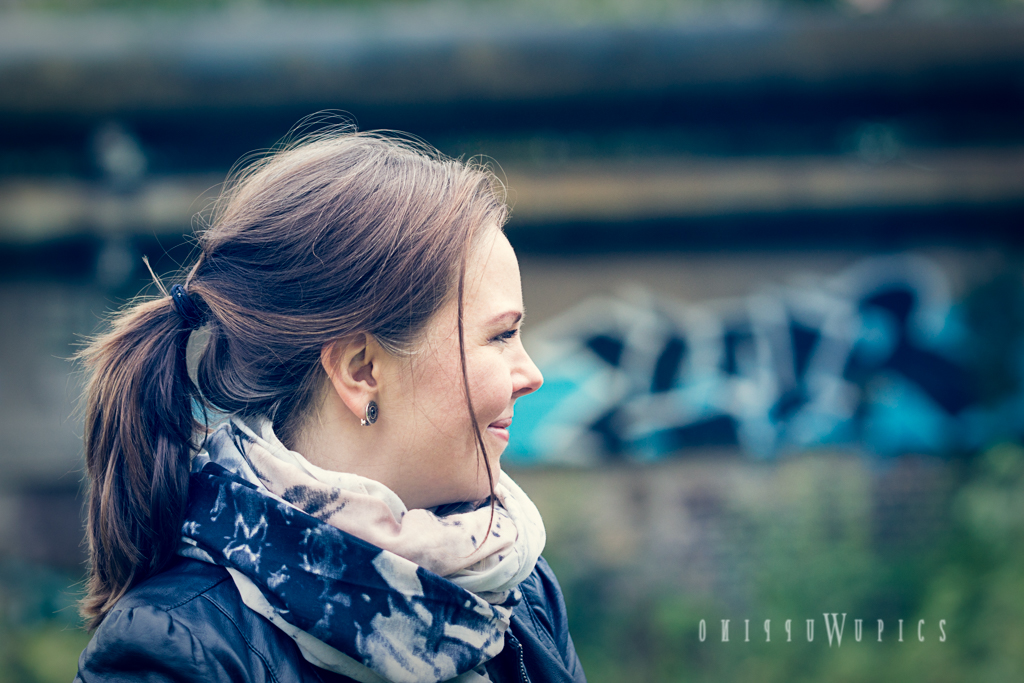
(371,414)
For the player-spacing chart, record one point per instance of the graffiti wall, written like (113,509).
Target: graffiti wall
(878,358)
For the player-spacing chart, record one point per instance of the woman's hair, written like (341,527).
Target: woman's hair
(339,234)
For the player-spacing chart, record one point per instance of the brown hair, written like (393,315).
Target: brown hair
(341,233)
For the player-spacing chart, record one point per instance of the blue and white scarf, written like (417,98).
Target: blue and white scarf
(366,587)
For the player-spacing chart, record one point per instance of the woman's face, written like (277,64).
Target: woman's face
(422,401)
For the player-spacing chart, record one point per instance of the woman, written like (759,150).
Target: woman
(360,311)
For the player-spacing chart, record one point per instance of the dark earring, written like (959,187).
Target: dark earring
(371,414)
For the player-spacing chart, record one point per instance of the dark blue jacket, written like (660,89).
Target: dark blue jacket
(188,623)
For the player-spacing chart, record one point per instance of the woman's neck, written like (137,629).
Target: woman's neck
(331,439)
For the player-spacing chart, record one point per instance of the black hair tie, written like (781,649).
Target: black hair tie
(186,308)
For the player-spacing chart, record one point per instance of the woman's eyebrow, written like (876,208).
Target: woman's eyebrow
(516,316)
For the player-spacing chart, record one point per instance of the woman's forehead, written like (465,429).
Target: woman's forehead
(493,287)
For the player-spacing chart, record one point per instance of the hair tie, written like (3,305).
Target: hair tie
(186,308)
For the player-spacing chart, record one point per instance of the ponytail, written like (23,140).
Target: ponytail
(139,427)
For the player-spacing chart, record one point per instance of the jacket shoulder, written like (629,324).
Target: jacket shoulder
(541,623)
(188,623)
(182,582)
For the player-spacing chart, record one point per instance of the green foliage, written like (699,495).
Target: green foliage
(41,654)
(40,631)
(815,552)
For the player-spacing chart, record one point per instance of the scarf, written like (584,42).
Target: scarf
(366,587)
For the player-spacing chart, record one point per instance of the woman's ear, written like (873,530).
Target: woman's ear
(353,366)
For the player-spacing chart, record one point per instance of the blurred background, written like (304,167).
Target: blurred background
(771,252)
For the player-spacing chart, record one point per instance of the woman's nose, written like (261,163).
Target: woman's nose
(526,376)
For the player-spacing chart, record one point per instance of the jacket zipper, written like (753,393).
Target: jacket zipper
(517,646)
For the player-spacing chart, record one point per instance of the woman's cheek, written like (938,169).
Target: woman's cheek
(491,389)
(438,384)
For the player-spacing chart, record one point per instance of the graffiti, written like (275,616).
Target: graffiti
(872,358)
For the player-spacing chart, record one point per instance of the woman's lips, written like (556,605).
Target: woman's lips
(500,428)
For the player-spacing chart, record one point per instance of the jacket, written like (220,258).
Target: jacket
(188,623)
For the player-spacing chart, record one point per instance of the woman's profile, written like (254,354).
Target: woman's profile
(354,312)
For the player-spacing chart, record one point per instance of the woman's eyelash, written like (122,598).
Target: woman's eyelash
(508,334)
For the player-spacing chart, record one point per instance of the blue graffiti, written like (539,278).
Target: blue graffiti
(870,359)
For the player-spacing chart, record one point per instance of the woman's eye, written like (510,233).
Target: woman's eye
(507,335)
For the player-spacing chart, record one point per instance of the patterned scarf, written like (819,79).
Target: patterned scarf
(366,587)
